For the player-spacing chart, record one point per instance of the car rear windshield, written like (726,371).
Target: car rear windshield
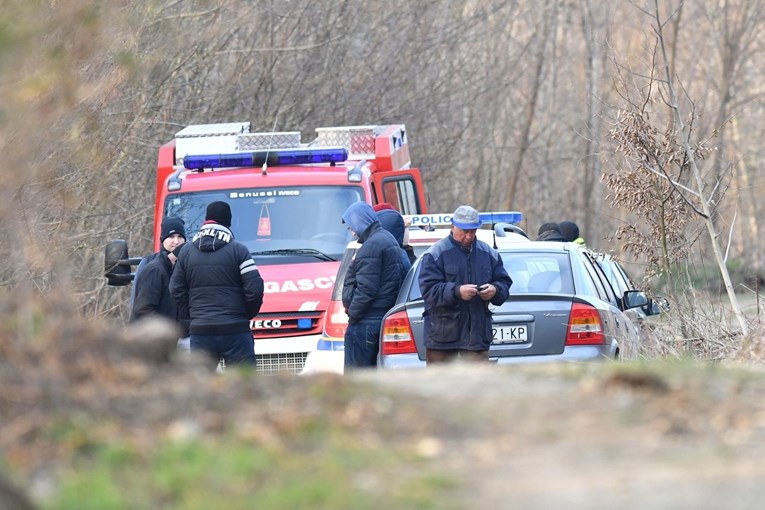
(539,272)
(532,272)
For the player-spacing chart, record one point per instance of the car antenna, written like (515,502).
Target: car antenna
(493,231)
(264,168)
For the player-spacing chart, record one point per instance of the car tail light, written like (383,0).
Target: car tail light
(336,320)
(584,326)
(397,337)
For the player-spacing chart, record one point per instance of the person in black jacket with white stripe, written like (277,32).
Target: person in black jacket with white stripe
(217,281)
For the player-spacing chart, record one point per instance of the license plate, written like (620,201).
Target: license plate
(509,334)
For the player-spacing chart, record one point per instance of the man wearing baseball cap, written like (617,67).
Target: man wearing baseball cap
(459,276)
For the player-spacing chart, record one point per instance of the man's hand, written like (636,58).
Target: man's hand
(487,291)
(467,291)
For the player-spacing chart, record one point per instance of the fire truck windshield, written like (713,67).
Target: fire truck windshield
(295,224)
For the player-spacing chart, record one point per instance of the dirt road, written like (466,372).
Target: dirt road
(602,437)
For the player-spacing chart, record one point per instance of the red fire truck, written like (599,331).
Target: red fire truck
(287,198)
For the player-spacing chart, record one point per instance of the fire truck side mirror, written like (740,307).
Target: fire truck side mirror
(117,263)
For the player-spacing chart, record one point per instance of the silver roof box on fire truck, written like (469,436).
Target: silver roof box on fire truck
(228,138)
(359,141)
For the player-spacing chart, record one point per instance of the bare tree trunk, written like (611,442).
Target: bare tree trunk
(591,195)
(749,207)
(524,140)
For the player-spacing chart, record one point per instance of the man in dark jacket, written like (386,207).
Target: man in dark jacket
(459,277)
(392,221)
(570,232)
(550,232)
(371,285)
(218,283)
(152,296)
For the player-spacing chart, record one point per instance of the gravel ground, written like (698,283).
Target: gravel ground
(600,437)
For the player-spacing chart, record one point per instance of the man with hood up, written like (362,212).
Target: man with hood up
(392,221)
(218,283)
(371,285)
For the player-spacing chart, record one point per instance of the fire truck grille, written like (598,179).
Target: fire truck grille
(269,364)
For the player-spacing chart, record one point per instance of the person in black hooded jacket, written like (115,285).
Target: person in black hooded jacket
(371,284)
(218,283)
(392,221)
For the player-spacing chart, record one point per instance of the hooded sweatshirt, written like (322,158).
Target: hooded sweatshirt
(217,281)
(376,273)
(392,221)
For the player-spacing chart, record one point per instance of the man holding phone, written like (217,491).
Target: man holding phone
(459,277)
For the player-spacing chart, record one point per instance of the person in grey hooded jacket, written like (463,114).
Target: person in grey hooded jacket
(371,284)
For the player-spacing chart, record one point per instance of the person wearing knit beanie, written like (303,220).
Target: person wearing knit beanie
(216,283)
(383,206)
(570,231)
(172,226)
(219,212)
(152,295)
(550,232)
(172,234)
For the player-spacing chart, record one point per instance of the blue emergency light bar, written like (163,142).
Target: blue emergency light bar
(256,159)
(486,218)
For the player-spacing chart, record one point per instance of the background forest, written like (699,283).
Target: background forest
(640,120)
(557,108)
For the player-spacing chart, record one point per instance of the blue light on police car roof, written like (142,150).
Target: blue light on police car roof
(304,323)
(256,159)
(429,220)
(500,217)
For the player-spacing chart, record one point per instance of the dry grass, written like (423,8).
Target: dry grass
(703,328)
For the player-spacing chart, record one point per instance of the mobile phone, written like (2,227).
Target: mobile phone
(483,287)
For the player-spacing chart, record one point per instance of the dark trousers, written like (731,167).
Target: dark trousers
(237,348)
(362,343)
(436,356)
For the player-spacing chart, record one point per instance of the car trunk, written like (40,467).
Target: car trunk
(543,316)
(545,319)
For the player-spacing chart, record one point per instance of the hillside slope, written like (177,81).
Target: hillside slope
(96,419)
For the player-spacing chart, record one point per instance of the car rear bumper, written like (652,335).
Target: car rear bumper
(571,354)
